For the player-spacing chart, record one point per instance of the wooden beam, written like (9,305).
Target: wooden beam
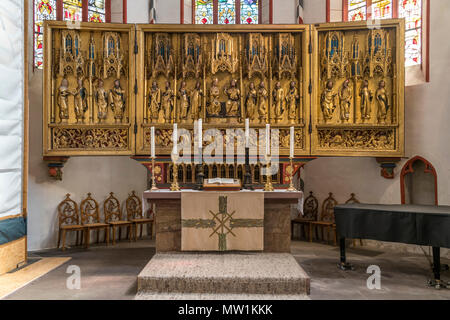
(344,10)
(85,11)
(181,11)
(124,11)
(270,11)
(108,11)
(328,9)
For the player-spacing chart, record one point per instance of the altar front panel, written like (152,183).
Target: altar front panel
(222,221)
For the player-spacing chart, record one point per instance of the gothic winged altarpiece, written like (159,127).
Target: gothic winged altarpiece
(340,85)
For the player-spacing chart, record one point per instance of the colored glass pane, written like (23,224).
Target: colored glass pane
(204,12)
(227,14)
(357,10)
(382,9)
(249,11)
(72,10)
(96,11)
(43,10)
(411,10)
(413,46)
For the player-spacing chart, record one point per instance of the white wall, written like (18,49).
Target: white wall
(138,11)
(167,11)
(285,12)
(116,11)
(314,11)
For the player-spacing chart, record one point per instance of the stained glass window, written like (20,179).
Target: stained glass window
(43,10)
(227,13)
(382,9)
(249,11)
(357,10)
(204,11)
(96,11)
(411,10)
(72,10)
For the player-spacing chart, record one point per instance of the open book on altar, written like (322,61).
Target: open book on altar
(217,184)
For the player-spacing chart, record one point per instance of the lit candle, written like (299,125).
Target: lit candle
(175,138)
(247,132)
(291,153)
(200,134)
(267,139)
(153,141)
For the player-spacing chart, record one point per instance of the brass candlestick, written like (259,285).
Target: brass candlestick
(291,176)
(268,186)
(154,187)
(175,186)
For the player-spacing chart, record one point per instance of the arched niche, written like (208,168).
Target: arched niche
(418,182)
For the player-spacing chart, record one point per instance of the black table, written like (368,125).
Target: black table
(411,224)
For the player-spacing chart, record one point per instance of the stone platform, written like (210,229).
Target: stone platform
(223,276)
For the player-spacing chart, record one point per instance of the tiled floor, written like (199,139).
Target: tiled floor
(111,273)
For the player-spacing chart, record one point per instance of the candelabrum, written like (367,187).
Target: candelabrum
(154,188)
(291,176)
(199,175)
(268,186)
(174,186)
(247,177)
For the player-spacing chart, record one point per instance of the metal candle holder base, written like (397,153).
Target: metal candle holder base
(154,187)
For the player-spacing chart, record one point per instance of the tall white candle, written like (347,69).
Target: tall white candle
(153,141)
(291,145)
(247,132)
(267,139)
(175,138)
(200,133)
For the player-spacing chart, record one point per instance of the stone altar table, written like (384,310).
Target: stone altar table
(276,226)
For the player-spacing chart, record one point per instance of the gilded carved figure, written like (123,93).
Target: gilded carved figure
(263,95)
(196,101)
(327,101)
(183,96)
(292,99)
(278,99)
(63,100)
(251,102)
(167,103)
(345,99)
(366,100)
(101,99)
(81,103)
(382,100)
(154,101)
(117,101)
(214,107)
(234,95)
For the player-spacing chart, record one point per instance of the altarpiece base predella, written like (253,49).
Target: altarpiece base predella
(341,86)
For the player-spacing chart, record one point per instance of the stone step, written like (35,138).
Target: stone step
(218,296)
(224,273)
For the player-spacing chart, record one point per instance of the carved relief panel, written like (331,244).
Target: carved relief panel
(201,72)
(358,106)
(88,101)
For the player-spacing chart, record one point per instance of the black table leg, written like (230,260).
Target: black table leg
(343,265)
(436,282)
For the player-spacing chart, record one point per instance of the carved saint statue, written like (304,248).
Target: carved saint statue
(154,101)
(167,103)
(366,100)
(327,101)
(183,96)
(383,103)
(250,101)
(234,95)
(263,95)
(196,101)
(101,98)
(80,98)
(292,99)
(63,100)
(214,108)
(278,99)
(345,99)
(117,101)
